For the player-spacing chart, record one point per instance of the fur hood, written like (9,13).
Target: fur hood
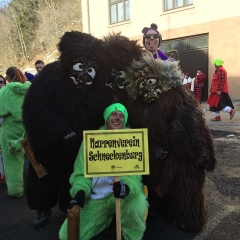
(18,88)
(167,74)
(122,50)
(77,47)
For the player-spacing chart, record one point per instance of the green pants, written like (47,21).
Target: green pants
(97,216)
(13,169)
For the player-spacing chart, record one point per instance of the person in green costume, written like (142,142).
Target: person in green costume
(97,213)
(11,100)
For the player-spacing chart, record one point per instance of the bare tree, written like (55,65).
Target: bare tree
(8,50)
(24,35)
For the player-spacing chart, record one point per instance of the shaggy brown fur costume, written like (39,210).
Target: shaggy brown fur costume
(122,52)
(176,124)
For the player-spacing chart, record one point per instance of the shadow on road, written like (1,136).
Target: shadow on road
(222,195)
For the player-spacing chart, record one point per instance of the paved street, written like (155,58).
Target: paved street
(222,190)
(225,124)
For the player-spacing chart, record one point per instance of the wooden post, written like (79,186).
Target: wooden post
(39,169)
(73,223)
(118,215)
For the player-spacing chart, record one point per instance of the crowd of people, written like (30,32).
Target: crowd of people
(195,84)
(219,99)
(89,88)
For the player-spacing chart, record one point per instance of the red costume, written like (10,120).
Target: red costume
(219,83)
(198,85)
(219,99)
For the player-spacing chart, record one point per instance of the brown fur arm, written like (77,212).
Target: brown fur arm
(191,139)
(187,141)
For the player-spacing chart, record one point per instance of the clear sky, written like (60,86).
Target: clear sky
(4,2)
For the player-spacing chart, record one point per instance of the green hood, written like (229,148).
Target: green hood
(19,88)
(11,100)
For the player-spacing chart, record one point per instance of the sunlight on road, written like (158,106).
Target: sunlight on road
(214,221)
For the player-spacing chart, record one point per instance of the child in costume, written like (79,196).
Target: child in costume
(198,85)
(180,144)
(97,213)
(12,130)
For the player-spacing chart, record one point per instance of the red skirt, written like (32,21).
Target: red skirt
(213,100)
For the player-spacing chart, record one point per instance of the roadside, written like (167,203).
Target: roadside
(222,190)
(225,124)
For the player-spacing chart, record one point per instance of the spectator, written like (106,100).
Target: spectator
(39,65)
(29,76)
(12,130)
(152,39)
(2,177)
(219,99)
(187,80)
(2,81)
(97,212)
(198,85)
(2,84)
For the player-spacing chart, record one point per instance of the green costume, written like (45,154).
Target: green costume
(97,214)
(11,100)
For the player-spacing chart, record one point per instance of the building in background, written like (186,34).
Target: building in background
(201,30)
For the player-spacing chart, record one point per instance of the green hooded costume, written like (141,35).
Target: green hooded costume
(99,209)
(11,100)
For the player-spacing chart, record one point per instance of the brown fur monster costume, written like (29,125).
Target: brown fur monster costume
(67,97)
(122,52)
(176,124)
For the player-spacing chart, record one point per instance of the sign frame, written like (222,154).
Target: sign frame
(118,167)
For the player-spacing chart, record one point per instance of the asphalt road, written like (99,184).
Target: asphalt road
(222,190)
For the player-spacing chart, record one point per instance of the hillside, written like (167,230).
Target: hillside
(30,30)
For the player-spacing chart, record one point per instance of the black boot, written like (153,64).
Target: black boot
(41,219)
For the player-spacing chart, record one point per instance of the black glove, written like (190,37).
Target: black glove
(78,200)
(120,190)
(69,137)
